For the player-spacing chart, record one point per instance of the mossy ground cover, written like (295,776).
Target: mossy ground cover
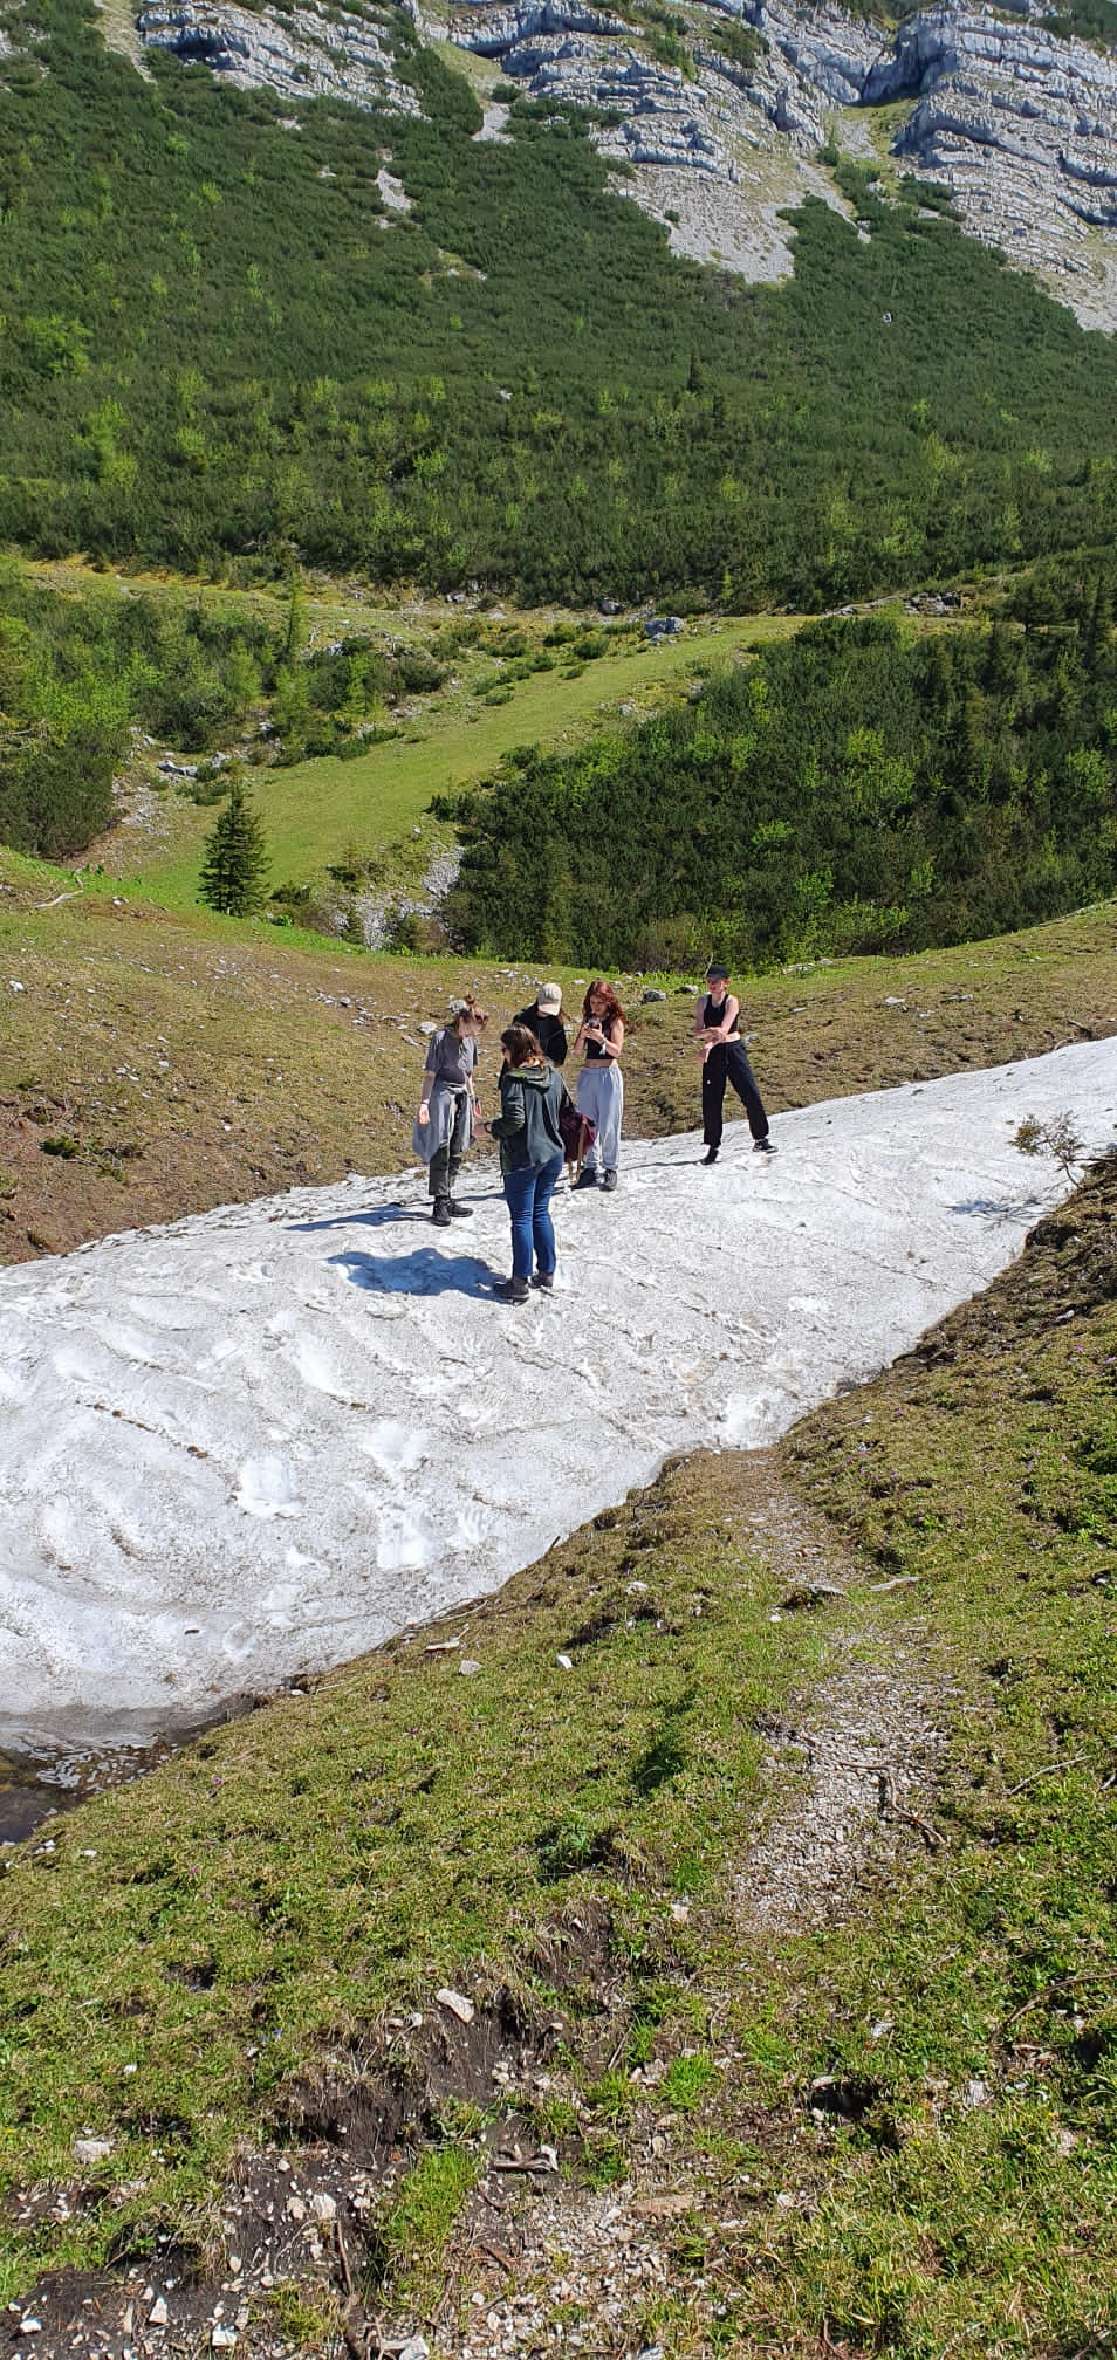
(153,1064)
(889,2132)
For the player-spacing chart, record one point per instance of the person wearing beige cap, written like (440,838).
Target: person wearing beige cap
(544,1019)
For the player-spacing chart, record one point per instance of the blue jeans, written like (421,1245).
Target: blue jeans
(528,1194)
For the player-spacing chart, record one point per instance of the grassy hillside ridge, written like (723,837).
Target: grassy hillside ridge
(347,711)
(153,1065)
(317,810)
(227,344)
(889,2131)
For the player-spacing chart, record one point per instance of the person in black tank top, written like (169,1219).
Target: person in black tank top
(724,1060)
(600,1094)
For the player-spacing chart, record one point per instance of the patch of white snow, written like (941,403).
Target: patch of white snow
(263,1439)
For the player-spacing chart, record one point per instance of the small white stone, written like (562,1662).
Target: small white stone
(565,1662)
(468,1667)
(322,2206)
(457,2004)
(157,2316)
(90,2150)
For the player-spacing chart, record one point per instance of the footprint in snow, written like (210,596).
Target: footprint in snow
(267,1487)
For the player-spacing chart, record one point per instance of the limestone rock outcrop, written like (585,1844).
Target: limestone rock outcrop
(307,53)
(1019,124)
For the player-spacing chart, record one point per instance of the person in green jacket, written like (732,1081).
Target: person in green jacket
(531,1158)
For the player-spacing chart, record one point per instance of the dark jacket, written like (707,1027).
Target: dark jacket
(550,1032)
(528,1123)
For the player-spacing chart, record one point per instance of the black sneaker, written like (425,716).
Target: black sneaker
(711,1156)
(442,1215)
(545,1281)
(609,1183)
(511,1290)
(586,1178)
(460,1212)
(763,1147)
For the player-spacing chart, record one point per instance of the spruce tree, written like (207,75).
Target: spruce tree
(236,859)
(1099,629)
(296,633)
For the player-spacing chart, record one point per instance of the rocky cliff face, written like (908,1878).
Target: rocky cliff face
(306,53)
(1019,125)
(1022,127)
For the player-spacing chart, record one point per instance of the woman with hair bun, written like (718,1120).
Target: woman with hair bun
(448,1106)
(600,1093)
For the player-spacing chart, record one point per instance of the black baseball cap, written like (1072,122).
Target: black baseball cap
(717,974)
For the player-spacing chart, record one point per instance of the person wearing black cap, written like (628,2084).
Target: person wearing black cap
(724,1059)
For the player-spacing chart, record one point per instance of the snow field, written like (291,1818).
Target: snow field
(261,1440)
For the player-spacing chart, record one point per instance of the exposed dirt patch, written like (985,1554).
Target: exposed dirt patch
(303,2212)
(864,1754)
(585,2260)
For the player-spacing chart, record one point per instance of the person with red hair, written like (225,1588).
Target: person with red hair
(600,1093)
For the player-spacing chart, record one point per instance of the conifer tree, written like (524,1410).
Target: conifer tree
(296,633)
(236,860)
(1099,629)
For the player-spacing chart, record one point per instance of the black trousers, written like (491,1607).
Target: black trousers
(727,1062)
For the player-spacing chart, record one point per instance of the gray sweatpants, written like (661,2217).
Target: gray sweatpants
(600,1094)
(446,1162)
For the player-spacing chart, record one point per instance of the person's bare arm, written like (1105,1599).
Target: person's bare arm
(721,1032)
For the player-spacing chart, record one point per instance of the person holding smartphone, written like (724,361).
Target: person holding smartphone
(600,1092)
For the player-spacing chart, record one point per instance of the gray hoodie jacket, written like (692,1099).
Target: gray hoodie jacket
(528,1123)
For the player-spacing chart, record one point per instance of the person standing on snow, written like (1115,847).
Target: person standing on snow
(527,1127)
(725,1059)
(448,1107)
(600,1093)
(544,1019)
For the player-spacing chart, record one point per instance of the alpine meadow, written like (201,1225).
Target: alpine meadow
(558,1179)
